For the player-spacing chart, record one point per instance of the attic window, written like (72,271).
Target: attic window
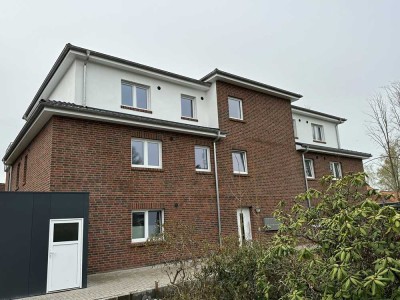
(135,95)
(318,133)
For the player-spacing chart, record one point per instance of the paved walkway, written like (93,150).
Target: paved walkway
(113,284)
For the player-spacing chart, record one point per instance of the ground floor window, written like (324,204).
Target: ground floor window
(146,224)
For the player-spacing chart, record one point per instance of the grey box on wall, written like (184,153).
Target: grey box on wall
(271,224)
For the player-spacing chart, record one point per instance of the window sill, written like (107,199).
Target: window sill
(204,172)
(237,120)
(241,174)
(145,244)
(189,119)
(321,142)
(146,169)
(137,109)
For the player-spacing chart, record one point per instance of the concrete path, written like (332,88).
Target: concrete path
(113,284)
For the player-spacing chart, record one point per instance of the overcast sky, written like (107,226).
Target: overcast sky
(337,54)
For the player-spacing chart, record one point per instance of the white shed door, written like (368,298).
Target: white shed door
(244,224)
(64,269)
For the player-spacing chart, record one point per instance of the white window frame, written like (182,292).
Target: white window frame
(146,153)
(208,158)
(193,99)
(240,106)
(314,132)
(245,162)
(332,167)
(134,100)
(311,167)
(146,224)
(295,128)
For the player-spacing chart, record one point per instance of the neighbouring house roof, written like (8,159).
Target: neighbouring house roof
(333,151)
(229,77)
(48,108)
(314,112)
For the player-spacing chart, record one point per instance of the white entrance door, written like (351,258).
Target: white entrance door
(64,269)
(244,224)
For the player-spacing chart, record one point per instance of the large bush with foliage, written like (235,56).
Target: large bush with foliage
(345,247)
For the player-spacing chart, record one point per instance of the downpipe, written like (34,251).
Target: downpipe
(217,188)
(305,175)
(85,78)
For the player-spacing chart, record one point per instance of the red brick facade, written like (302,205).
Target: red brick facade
(78,155)
(273,163)
(321,166)
(34,164)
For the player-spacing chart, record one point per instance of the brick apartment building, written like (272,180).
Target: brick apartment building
(152,146)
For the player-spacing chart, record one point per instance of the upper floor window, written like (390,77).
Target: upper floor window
(202,158)
(318,133)
(309,168)
(295,128)
(187,107)
(25,168)
(235,108)
(135,95)
(239,162)
(336,169)
(146,224)
(17,181)
(146,153)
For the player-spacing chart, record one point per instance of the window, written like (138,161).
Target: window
(134,95)
(146,224)
(309,168)
(146,153)
(336,169)
(25,168)
(187,107)
(202,158)
(295,128)
(17,181)
(239,162)
(318,133)
(235,108)
(65,232)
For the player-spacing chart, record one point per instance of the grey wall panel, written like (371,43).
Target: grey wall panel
(66,205)
(15,232)
(40,243)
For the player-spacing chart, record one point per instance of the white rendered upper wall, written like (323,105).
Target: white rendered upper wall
(304,130)
(103,91)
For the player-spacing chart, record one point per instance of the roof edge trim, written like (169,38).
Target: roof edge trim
(252,82)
